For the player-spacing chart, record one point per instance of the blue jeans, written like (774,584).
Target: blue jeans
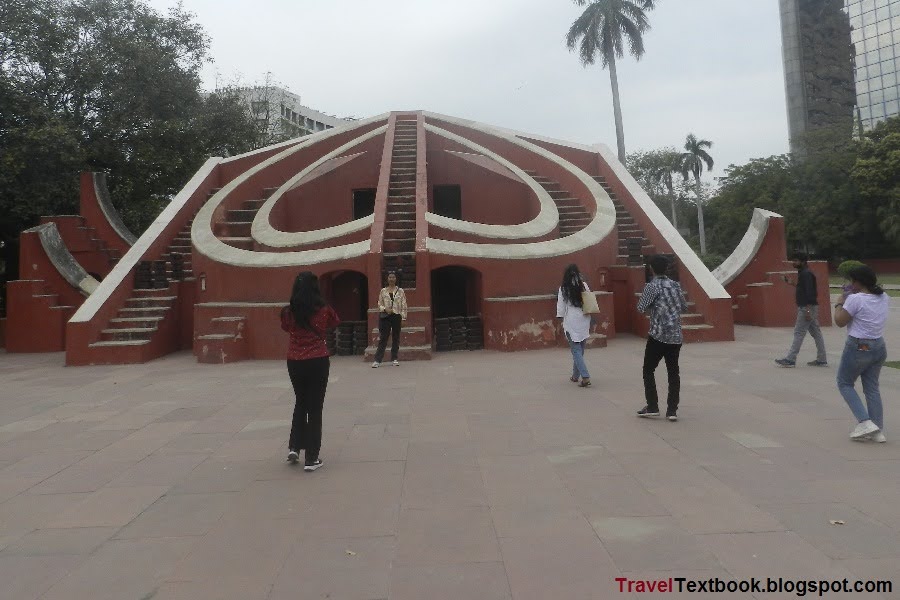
(578,366)
(801,327)
(862,359)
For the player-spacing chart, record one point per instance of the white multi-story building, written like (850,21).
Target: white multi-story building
(280,113)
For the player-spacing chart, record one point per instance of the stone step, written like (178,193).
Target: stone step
(129,333)
(239,242)
(254,205)
(150,301)
(144,311)
(237,215)
(407,353)
(571,210)
(134,322)
(237,229)
(119,343)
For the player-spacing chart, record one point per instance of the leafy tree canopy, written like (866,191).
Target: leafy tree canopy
(109,85)
(836,201)
(877,173)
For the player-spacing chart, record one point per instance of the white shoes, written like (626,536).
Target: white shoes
(396,363)
(878,437)
(864,430)
(376,364)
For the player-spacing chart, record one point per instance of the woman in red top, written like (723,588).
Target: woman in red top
(307,318)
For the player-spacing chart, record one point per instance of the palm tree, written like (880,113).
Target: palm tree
(662,174)
(692,161)
(603,28)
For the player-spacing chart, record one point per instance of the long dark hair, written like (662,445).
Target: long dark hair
(866,276)
(306,298)
(572,286)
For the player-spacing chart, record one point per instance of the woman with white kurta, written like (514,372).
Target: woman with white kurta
(576,324)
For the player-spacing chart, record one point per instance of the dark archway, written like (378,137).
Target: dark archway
(456,308)
(348,293)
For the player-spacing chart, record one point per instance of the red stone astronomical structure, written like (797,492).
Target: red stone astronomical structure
(480,221)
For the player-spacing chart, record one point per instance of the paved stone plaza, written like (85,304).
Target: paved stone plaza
(474,476)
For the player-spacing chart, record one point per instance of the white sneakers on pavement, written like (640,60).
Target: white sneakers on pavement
(864,429)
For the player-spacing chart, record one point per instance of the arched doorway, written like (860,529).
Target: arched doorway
(348,293)
(456,309)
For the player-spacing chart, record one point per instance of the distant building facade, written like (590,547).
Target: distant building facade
(818,67)
(281,115)
(876,37)
(841,59)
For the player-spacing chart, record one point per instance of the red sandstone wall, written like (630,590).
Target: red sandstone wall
(487,197)
(94,216)
(328,200)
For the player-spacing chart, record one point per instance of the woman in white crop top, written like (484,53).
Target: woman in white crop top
(864,311)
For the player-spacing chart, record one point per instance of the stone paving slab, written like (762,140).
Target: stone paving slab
(476,475)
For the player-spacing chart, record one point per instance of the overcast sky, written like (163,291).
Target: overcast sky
(712,67)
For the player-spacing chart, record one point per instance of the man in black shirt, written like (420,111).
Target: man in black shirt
(807,316)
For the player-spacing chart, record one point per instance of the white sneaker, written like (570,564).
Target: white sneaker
(293,457)
(396,363)
(864,429)
(376,364)
(878,437)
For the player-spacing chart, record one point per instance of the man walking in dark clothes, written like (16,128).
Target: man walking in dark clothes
(664,300)
(807,316)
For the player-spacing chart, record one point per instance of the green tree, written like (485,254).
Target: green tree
(603,29)
(655,170)
(692,162)
(877,173)
(764,183)
(105,85)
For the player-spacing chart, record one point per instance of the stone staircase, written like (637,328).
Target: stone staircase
(225,342)
(572,215)
(35,299)
(140,318)
(627,227)
(153,298)
(81,240)
(414,344)
(399,247)
(235,229)
(178,265)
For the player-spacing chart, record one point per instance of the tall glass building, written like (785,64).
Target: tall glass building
(875,35)
(841,64)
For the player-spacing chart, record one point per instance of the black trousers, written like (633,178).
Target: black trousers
(654,352)
(310,379)
(389,325)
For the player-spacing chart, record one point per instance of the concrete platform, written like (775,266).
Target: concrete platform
(476,475)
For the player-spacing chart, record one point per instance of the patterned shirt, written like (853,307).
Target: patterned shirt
(397,303)
(305,344)
(664,299)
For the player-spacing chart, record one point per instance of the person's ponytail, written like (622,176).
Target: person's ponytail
(866,276)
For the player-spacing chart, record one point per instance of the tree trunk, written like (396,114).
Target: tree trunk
(617,109)
(700,224)
(672,204)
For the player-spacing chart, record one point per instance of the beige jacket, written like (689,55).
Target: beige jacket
(398,304)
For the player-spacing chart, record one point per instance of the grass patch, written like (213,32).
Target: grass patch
(894,364)
(893,293)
